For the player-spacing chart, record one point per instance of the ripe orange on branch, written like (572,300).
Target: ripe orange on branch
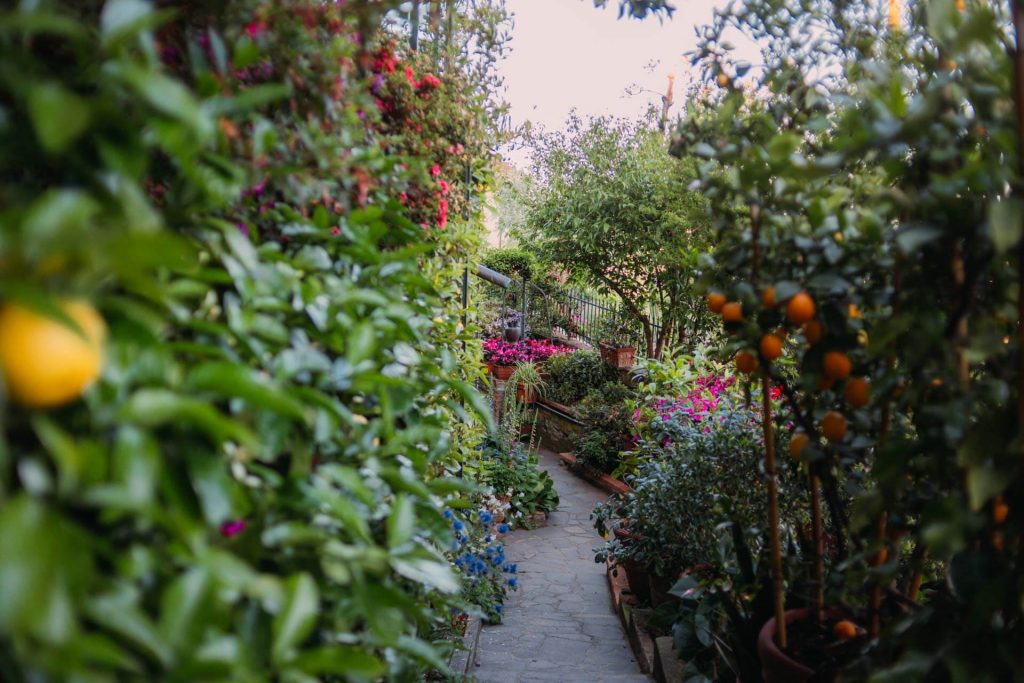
(746,362)
(732,312)
(800,308)
(813,331)
(771,347)
(797,444)
(716,300)
(845,630)
(857,392)
(46,363)
(837,365)
(833,426)
(768,297)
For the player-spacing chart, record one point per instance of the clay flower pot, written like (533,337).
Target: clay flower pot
(776,665)
(620,357)
(502,372)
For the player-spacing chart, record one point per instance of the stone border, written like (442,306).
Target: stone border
(463,659)
(655,656)
(605,482)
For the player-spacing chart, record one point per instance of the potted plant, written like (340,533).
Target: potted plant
(615,347)
(526,382)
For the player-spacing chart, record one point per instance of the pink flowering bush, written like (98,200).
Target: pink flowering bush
(501,352)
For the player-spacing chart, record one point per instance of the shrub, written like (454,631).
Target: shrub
(511,261)
(572,375)
(516,476)
(695,475)
(607,426)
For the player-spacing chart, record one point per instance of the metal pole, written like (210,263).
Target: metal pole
(522,321)
(414,37)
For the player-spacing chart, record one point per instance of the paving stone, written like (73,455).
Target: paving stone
(559,625)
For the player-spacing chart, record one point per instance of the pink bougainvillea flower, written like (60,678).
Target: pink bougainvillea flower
(435,170)
(444,186)
(232,528)
(255,29)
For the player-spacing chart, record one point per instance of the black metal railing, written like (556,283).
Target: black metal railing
(555,310)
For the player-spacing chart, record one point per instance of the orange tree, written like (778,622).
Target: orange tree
(229,464)
(865,187)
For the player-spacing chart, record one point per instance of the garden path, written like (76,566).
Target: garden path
(559,625)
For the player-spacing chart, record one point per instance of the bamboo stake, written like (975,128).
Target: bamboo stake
(817,529)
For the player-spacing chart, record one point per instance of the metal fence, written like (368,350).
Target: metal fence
(555,310)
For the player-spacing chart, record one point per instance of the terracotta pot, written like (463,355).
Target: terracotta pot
(776,665)
(525,396)
(639,580)
(660,587)
(620,357)
(502,372)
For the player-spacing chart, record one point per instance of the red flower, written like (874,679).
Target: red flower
(435,170)
(444,187)
(429,82)
(409,76)
(335,231)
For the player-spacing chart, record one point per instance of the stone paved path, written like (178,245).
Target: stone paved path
(559,625)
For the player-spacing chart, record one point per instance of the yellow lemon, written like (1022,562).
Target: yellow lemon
(46,363)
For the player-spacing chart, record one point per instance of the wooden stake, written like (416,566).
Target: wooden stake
(779,593)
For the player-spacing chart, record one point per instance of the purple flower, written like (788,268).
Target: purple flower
(233,528)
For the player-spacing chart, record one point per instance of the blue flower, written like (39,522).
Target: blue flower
(513,581)
(448,514)
(499,607)
(458,526)
(486,517)
(503,528)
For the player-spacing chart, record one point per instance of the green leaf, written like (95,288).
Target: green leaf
(58,115)
(913,238)
(401,522)
(184,604)
(297,617)
(435,573)
(230,380)
(1005,223)
(983,483)
(160,407)
(120,614)
(342,660)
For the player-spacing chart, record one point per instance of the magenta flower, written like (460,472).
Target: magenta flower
(233,528)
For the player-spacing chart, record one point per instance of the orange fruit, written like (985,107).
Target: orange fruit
(813,331)
(800,308)
(768,297)
(797,444)
(853,311)
(857,392)
(715,301)
(46,363)
(845,630)
(879,558)
(746,362)
(1000,510)
(771,347)
(837,365)
(833,426)
(732,312)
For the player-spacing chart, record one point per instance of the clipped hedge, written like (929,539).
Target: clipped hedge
(254,488)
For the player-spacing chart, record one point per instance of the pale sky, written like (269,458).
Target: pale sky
(567,53)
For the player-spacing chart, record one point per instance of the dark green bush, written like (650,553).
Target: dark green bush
(572,375)
(607,426)
(511,261)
